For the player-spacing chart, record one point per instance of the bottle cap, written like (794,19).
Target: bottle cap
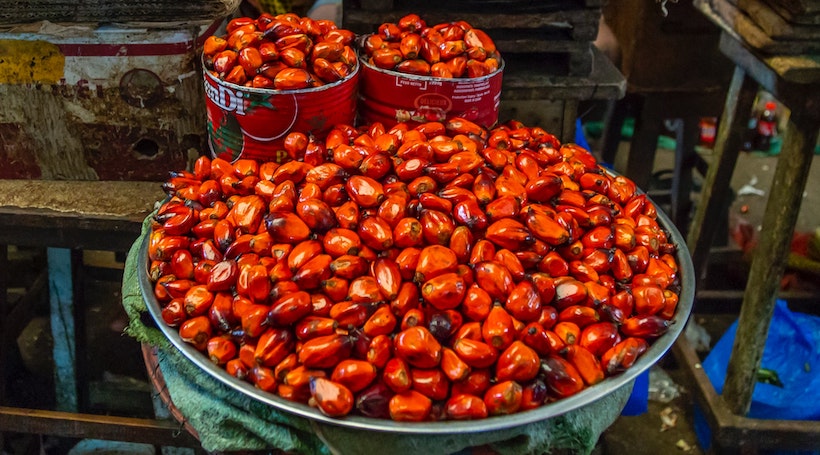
(771,105)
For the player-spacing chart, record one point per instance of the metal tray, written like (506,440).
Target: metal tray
(590,394)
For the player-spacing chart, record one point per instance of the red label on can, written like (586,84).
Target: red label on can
(390,97)
(252,123)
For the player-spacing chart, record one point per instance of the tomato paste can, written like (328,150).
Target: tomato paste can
(246,122)
(391,97)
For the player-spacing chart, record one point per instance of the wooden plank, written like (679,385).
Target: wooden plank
(800,6)
(479,6)
(532,83)
(361,21)
(775,25)
(744,27)
(730,136)
(732,431)
(75,214)
(768,264)
(75,425)
(807,18)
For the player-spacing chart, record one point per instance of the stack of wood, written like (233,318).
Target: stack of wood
(114,11)
(551,37)
(772,27)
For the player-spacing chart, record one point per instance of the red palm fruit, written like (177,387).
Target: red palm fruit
(465,407)
(445,291)
(340,241)
(580,315)
(311,274)
(483,250)
(299,377)
(375,233)
(197,300)
(289,309)
(452,366)
(430,382)
(254,319)
(174,312)
(533,395)
(348,266)
(510,234)
(237,369)
(503,398)
(388,277)
(476,354)
(396,375)
(670,304)
(303,252)
(408,232)
(434,260)
(325,351)
(222,276)
(381,322)
(518,362)
(545,286)
(418,347)
(476,304)
(316,214)
(569,292)
(478,38)
(392,209)
(350,314)
(554,265)
(365,191)
(461,243)
(567,331)
(599,337)
(436,227)
(648,299)
(273,346)
(585,362)
(364,289)
(354,374)
(623,355)
(312,326)
(332,398)
(494,278)
(410,406)
(476,383)
(524,302)
(498,329)
(645,326)
(263,378)
(561,377)
(541,340)
(380,351)
(407,299)
(286,227)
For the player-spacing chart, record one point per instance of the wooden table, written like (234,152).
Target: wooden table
(768,264)
(67,217)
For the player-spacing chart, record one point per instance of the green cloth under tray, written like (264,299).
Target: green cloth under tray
(227,420)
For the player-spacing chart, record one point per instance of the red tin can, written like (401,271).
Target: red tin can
(391,97)
(245,122)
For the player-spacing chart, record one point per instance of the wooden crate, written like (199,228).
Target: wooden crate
(556,35)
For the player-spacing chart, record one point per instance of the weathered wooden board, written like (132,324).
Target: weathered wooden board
(775,25)
(114,10)
(805,18)
(752,34)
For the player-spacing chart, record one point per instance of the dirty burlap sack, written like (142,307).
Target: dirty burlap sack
(228,420)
